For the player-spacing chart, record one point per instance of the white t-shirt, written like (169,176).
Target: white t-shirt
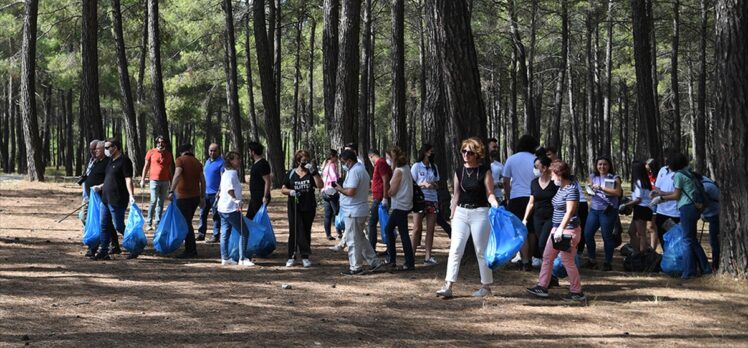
(229,181)
(496,169)
(519,167)
(420,173)
(403,199)
(664,182)
(356,205)
(642,194)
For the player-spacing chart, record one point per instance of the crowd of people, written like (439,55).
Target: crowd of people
(534,184)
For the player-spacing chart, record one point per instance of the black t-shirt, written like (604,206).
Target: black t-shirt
(115,188)
(97,174)
(304,187)
(256,183)
(543,207)
(472,183)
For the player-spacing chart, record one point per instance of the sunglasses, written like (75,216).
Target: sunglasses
(107,147)
(467,153)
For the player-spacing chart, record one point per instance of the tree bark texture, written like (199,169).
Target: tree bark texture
(34,165)
(645,98)
(250,83)
(89,98)
(330,60)
(698,119)
(364,116)
(232,89)
(674,87)
(399,114)
(554,138)
(346,81)
(161,124)
(527,92)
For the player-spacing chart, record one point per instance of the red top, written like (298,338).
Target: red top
(160,164)
(377,185)
(652,179)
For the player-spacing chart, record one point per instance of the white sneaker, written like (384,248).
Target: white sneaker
(517,258)
(246,262)
(337,248)
(536,262)
(290,262)
(229,262)
(306,263)
(482,292)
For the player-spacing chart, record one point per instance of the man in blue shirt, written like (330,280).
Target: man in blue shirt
(212,170)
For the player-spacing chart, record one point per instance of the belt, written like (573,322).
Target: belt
(472,206)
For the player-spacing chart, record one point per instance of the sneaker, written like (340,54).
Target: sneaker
(115,250)
(554,282)
(90,253)
(589,264)
(517,258)
(351,272)
(536,262)
(228,262)
(337,248)
(574,297)
(375,267)
(444,292)
(606,267)
(538,291)
(290,262)
(102,257)
(200,237)
(482,292)
(430,262)
(212,240)
(246,262)
(306,263)
(149,228)
(406,268)
(330,238)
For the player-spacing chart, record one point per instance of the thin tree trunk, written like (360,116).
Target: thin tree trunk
(674,77)
(364,83)
(310,91)
(89,97)
(527,93)
(296,129)
(399,114)
(161,124)
(698,120)
(250,83)
(512,129)
(66,100)
(607,139)
(554,139)
(591,107)
(277,53)
(330,61)
(139,89)
(346,89)
(12,125)
(232,89)
(128,109)
(34,164)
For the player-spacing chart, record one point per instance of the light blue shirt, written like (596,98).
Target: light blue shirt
(356,205)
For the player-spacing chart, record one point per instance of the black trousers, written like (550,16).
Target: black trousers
(187,207)
(543,228)
(299,232)
(582,212)
(255,203)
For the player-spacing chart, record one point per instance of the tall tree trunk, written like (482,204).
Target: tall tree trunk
(434,107)
(655,79)
(277,53)
(330,60)
(346,89)
(161,124)
(28,87)
(46,137)
(731,132)
(128,109)
(272,114)
(140,89)
(591,105)
(364,83)
(554,138)
(232,89)
(250,82)
(607,139)
(67,105)
(512,129)
(527,93)
(399,114)
(309,140)
(698,120)
(534,92)
(296,81)
(674,77)
(89,98)
(12,125)
(645,98)
(22,159)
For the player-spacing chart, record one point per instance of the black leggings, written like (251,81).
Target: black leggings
(543,230)
(300,232)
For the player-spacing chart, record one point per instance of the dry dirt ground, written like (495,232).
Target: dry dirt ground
(50,295)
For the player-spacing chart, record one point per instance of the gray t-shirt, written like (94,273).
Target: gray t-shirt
(356,205)
(403,199)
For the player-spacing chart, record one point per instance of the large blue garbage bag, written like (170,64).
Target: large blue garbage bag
(255,230)
(92,230)
(134,240)
(340,220)
(262,241)
(171,231)
(506,238)
(559,271)
(384,216)
(672,259)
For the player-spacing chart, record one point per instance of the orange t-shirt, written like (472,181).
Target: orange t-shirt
(160,164)
(189,184)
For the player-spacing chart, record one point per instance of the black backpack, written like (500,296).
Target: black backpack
(646,262)
(699,197)
(419,200)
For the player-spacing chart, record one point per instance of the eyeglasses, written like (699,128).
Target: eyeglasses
(467,153)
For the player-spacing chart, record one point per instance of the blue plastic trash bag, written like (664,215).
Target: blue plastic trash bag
(134,240)
(384,216)
(340,220)
(672,259)
(559,271)
(171,231)
(255,230)
(92,230)
(506,238)
(261,235)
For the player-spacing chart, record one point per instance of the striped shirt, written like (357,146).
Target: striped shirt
(565,194)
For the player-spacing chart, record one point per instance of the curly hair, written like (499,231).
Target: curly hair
(475,145)
(397,155)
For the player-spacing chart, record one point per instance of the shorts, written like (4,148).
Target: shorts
(642,213)
(430,208)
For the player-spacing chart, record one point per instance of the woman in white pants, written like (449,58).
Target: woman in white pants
(473,192)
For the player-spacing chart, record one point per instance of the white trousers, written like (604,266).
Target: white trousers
(466,223)
(359,248)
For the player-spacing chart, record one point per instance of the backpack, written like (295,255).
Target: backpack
(709,200)
(647,262)
(419,200)
(699,197)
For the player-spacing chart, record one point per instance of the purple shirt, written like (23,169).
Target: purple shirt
(601,201)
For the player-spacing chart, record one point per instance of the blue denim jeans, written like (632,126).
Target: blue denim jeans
(228,222)
(112,221)
(159,191)
(373,221)
(399,219)
(605,221)
(694,253)
(714,239)
(332,206)
(210,207)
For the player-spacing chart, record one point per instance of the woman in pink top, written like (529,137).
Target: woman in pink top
(331,175)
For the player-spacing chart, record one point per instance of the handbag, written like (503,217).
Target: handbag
(564,244)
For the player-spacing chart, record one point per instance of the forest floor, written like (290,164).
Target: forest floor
(50,295)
